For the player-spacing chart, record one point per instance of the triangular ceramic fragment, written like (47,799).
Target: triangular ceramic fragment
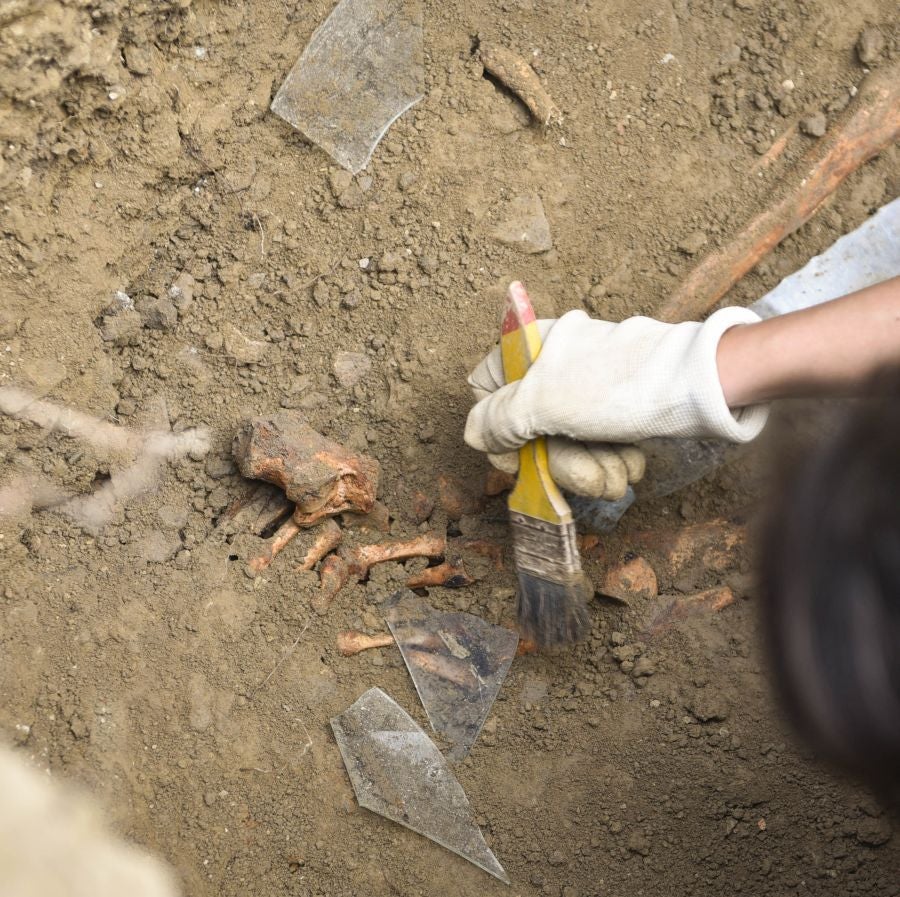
(397,772)
(457,662)
(362,69)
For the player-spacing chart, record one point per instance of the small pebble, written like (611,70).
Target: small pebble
(814,125)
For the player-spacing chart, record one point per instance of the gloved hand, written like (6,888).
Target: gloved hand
(600,382)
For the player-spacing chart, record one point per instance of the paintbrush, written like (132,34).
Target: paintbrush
(553,590)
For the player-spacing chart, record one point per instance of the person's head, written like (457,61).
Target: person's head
(830,576)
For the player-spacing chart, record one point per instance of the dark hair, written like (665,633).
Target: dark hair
(831,586)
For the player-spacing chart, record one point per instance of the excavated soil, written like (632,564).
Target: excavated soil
(146,661)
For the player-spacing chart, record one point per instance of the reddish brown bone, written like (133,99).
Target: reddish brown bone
(287,531)
(457,498)
(328,537)
(350,642)
(333,576)
(497,482)
(712,546)
(451,574)
(428,545)
(870,124)
(322,477)
(518,76)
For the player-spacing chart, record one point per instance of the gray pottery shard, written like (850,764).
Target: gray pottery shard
(362,69)
(397,772)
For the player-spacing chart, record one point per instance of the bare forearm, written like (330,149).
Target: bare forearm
(829,349)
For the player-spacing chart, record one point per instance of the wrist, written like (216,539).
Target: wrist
(713,397)
(738,366)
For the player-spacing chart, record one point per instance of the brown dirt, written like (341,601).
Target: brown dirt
(137,148)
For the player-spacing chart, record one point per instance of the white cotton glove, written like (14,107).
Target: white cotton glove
(593,469)
(597,381)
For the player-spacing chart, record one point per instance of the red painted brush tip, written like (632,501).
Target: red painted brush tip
(518,311)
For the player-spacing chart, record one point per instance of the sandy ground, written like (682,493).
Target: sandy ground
(137,154)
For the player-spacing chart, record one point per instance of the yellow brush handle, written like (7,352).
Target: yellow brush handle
(535,493)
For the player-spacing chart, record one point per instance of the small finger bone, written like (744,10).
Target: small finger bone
(333,576)
(428,545)
(351,642)
(516,74)
(451,574)
(328,537)
(287,531)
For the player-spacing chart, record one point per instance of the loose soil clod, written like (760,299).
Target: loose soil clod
(485,548)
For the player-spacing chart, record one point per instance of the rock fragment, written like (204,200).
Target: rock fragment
(351,367)
(137,59)
(159,313)
(524,225)
(814,125)
(869,46)
(182,291)
(241,348)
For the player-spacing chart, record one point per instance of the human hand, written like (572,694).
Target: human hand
(596,382)
(596,470)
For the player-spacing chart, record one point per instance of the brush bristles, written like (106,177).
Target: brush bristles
(553,591)
(554,613)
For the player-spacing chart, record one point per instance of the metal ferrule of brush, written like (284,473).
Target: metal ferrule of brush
(546,550)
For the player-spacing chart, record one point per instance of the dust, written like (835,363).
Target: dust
(139,160)
(148,452)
